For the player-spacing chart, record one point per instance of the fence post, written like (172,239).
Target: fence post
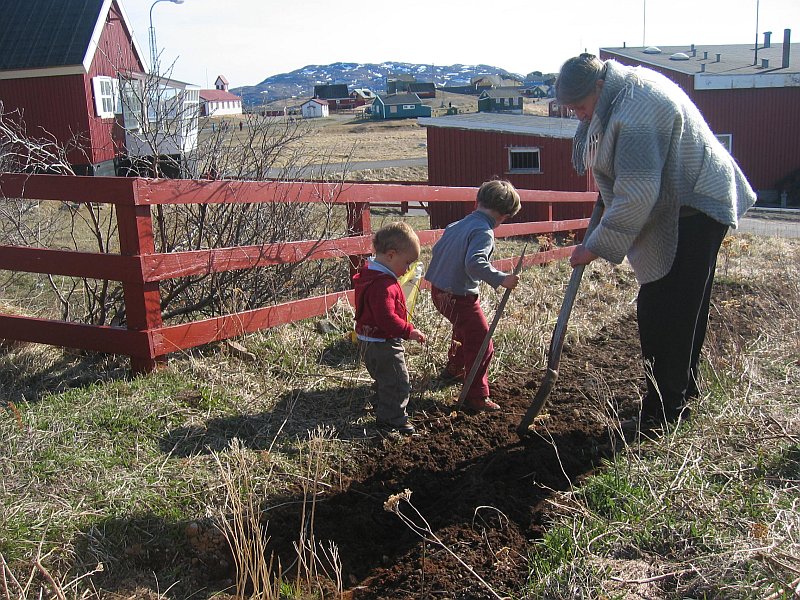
(142,299)
(358,223)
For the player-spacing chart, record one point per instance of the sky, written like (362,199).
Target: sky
(250,40)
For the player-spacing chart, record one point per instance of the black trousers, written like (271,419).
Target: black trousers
(673,318)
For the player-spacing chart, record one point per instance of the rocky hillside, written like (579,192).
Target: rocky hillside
(300,83)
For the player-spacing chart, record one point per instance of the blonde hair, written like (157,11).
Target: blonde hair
(499,195)
(397,236)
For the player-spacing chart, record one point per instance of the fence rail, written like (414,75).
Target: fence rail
(145,339)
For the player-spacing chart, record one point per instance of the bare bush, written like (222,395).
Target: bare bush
(160,120)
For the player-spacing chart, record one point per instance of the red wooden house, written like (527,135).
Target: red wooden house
(59,66)
(749,95)
(532,152)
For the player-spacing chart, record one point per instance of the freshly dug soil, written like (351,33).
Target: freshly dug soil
(481,490)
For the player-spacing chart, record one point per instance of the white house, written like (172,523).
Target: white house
(314,108)
(219,101)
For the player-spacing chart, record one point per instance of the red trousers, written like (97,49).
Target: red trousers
(469,330)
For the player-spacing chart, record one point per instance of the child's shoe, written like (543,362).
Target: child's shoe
(405,429)
(477,405)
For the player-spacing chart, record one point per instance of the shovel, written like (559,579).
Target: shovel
(487,338)
(557,343)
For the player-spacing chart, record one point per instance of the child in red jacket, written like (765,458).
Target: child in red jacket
(382,322)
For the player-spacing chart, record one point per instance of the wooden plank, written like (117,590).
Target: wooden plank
(70,263)
(535,258)
(97,338)
(187,191)
(189,335)
(106,190)
(158,267)
(142,298)
(535,227)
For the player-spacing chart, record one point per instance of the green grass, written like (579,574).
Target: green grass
(92,470)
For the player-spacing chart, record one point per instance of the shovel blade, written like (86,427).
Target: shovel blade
(538,402)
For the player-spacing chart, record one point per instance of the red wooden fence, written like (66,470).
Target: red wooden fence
(146,340)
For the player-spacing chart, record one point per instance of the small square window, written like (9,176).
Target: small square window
(524,160)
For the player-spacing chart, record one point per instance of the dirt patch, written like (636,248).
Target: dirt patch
(482,491)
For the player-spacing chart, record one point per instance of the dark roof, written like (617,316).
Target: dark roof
(46,33)
(501,92)
(331,91)
(393,99)
(421,86)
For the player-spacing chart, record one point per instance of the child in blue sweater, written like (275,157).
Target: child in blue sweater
(459,263)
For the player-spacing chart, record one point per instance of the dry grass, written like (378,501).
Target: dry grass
(87,454)
(712,509)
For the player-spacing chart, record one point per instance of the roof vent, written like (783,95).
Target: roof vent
(702,67)
(765,63)
(767,36)
(652,50)
(719,57)
(679,56)
(705,54)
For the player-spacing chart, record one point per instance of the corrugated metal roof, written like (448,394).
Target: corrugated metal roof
(525,124)
(394,99)
(502,92)
(735,59)
(46,33)
(218,95)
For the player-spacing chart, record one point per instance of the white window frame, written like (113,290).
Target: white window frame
(409,106)
(106,96)
(525,149)
(726,139)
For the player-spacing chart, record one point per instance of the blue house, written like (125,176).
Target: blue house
(399,106)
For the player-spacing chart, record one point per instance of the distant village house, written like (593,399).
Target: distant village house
(314,108)
(399,106)
(77,75)
(532,152)
(503,99)
(219,101)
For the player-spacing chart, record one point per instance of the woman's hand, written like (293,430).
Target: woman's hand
(581,256)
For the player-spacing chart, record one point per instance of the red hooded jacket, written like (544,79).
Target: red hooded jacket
(380,305)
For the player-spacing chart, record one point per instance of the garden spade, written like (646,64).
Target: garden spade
(497,314)
(557,342)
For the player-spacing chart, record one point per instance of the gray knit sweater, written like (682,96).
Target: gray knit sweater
(651,152)
(460,259)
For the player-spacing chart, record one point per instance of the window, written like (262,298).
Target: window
(408,107)
(106,96)
(726,139)
(393,108)
(523,160)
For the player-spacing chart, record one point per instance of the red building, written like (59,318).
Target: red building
(59,66)
(749,96)
(532,152)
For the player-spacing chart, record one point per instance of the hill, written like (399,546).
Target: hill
(300,83)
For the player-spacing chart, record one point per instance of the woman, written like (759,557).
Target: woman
(670,191)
